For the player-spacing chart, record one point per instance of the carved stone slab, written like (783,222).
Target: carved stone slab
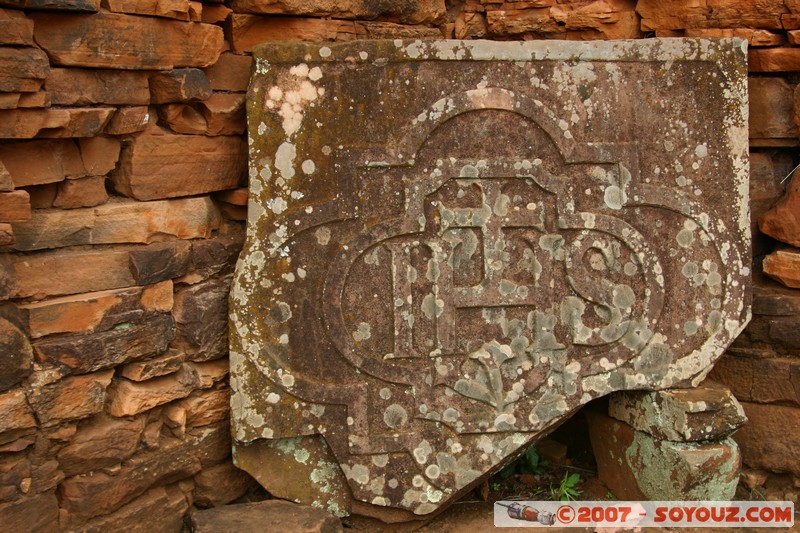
(454,245)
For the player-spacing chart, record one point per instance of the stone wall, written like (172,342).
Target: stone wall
(123,176)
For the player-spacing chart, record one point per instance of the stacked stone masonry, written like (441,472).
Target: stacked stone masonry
(123,175)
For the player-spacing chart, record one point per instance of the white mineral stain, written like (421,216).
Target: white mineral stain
(362,333)
(323,236)
(308,166)
(284,160)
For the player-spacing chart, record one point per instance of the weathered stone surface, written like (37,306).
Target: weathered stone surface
(682,14)
(774,59)
(411,12)
(6,183)
(220,484)
(783,221)
(22,69)
(53,122)
(637,466)
(159,510)
(9,284)
(34,514)
(14,412)
(217,255)
(221,114)
(83,192)
(127,398)
(182,85)
(27,123)
(270,515)
(118,222)
(99,154)
(15,206)
(15,29)
(86,271)
(213,14)
(74,86)
(201,314)
(478,256)
(154,367)
(766,172)
(158,164)
(38,99)
(110,40)
(39,162)
(603,19)
(784,266)
(771,113)
(128,120)
(16,362)
(761,380)
(72,398)
(101,442)
(126,342)
(754,37)
(248,31)
(173,9)
(770,439)
(6,237)
(24,100)
(772,299)
(231,72)
(160,261)
(98,493)
(708,412)
(206,407)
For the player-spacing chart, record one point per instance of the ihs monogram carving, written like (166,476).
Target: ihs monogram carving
(453,246)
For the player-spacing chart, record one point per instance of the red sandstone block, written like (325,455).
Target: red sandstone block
(118,222)
(15,206)
(685,14)
(222,114)
(173,9)
(127,398)
(15,29)
(53,123)
(181,85)
(85,271)
(231,72)
(95,311)
(774,59)
(128,120)
(15,412)
(246,31)
(100,443)
(22,69)
(6,235)
(40,162)
(408,12)
(71,398)
(110,40)
(99,154)
(82,192)
(158,164)
(73,86)
(771,112)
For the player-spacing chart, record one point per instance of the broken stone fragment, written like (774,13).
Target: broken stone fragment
(707,412)
(637,466)
(267,515)
(784,266)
